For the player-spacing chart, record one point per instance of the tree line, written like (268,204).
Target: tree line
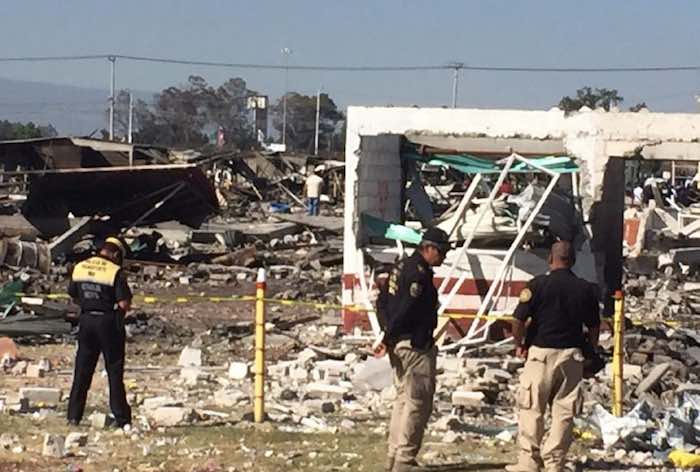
(191,116)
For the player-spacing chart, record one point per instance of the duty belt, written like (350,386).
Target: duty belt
(94,312)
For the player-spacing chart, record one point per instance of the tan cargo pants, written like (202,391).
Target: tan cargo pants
(414,378)
(551,377)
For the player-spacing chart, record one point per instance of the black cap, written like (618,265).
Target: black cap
(437,237)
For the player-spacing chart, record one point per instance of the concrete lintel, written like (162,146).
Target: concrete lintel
(672,151)
(493,145)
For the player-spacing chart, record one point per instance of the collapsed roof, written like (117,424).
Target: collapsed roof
(85,177)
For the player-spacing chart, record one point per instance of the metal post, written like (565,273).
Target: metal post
(318,120)
(131,117)
(259,411)
(112,60)
(618,353)
(455,82)
(286,52)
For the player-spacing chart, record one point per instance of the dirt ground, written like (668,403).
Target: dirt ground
(216,445)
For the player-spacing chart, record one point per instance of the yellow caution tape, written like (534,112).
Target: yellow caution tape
(198,298)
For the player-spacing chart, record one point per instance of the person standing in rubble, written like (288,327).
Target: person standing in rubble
(558,305)
(99,286)
(313,186)
(409,306)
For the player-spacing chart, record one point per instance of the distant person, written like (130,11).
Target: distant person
(313,186)
(638,195)
(99,286)
(506,188)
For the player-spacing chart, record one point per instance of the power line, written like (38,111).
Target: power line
(340,68)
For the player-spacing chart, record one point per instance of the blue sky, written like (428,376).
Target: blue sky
(369,32)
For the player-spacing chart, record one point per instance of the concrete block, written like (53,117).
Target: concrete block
(43,395)
(156,402)
(172,416)
(227,398)
(373,374)
(237,370)
(639,358)
(190,357)
(324,390)
(191,375)
(628,371)
(694,353)
(497,375)
(299,374)
(100,420)
(75,440)
(652,378)
(332,367)
(35,371)
(450,363)
(53,446)
(467,398)
(20,368)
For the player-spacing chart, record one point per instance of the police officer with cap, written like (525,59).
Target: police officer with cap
(558,306)
(99,286)
(410,305)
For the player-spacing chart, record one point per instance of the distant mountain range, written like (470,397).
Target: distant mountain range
(71,110)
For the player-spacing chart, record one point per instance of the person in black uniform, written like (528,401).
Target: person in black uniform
(99,286)
(409,307)
(558,305)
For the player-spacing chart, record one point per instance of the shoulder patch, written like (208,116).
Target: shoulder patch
(415,289)
(525,295)
(420,268)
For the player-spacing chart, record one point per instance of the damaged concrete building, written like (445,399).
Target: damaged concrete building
(596,145)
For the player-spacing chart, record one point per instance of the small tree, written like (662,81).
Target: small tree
(592,98)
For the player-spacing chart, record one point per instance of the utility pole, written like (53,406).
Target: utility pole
(112,60)
(286,52)
(131,116)
(318,119)
(457,66)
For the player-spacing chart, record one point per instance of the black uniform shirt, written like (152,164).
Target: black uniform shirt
(559,304)
(411,302)
(98,284)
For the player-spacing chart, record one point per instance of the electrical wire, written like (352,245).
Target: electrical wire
(340,68)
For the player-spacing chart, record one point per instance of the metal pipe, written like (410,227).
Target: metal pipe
(318,120)
(618,354)
(455,82)
(259,399)
(480,216)
(473,330)
(131,121)
(461,210)
(286,52)
(112,60)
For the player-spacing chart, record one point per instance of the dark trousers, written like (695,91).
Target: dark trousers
(100,334)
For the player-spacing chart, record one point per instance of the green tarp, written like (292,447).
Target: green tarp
(380,228)
(475,165)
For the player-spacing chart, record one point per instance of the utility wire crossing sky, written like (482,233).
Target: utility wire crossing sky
(385,68)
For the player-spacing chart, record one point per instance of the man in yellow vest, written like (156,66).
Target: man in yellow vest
(99,286)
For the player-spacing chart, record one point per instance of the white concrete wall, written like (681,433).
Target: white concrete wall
(379,178)
(590,136)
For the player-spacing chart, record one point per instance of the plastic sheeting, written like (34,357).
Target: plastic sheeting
(475,165)
(614,429)
(676,427)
